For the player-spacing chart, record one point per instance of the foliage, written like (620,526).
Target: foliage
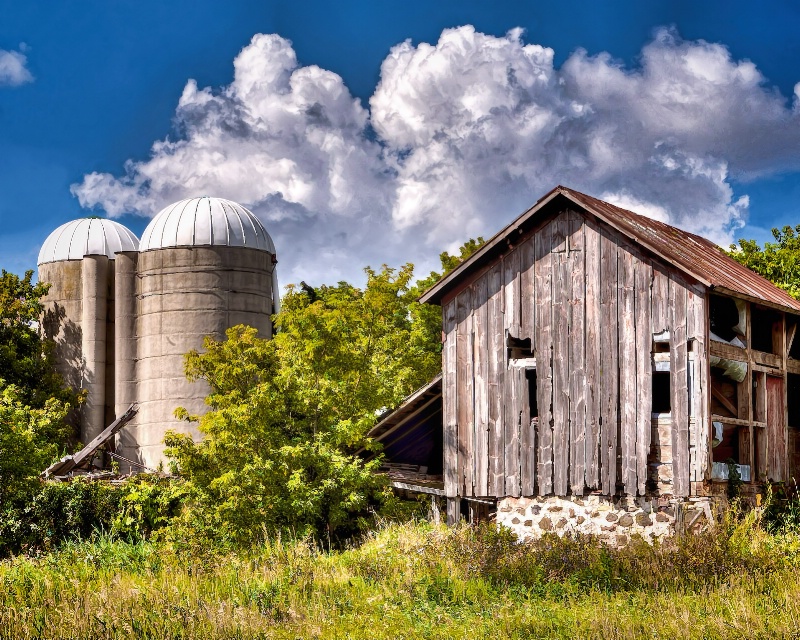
(29,440)
(25,359)
(427,317)
(777,261)
(734,479)
(288,413)
(33,402)
(412,581)
(56,512)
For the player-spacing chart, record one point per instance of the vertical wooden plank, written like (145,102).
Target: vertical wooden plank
(449,401)
(659,322)
(759,433)
(527,285)
(577,355)
(627,368)
(593,366)
(511,295)
(481,385)
(496,364)
(776,429)
(678,384)
(561,287)
(511,400)
(465,401)
(544,358)
(609,363)
(528,321)
(696,330)
(660,299)
(644,370)
(749,380)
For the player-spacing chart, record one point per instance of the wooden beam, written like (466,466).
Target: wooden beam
(418,488)
(790,338)
(85,455)
(736,421)
(727,351)
(725,402)
(767,359)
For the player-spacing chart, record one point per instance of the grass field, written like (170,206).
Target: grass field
(412,581)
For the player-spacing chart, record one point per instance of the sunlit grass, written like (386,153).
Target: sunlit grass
(411,581)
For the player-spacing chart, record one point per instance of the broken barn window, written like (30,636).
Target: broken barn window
(792,339)
(764,324)
(793,398)
(530,377)
(519,348)
(520,353)
(661,392)
(724,394)
(728,319)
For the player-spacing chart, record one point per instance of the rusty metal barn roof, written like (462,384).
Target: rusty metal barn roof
(696,256)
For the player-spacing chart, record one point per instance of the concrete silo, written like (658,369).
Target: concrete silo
(204,265)
(77,259)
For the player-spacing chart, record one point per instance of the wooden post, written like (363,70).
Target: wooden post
(453,511)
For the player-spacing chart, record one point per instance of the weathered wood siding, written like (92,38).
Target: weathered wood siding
(590,301)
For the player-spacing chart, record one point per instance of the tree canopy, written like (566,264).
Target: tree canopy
(287,414)
(33,402)
(777,261)
(25,359)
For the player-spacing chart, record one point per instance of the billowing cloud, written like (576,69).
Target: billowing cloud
(459,138)
(13,68)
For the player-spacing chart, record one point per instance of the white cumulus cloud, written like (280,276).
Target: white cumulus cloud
(13,68)
(460,137)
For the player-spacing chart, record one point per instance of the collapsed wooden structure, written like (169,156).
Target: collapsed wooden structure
(588,349)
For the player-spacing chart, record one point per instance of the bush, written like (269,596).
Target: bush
(56,512)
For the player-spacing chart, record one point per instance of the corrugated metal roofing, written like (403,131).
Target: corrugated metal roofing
(206,221)
(87,237)
(698,257)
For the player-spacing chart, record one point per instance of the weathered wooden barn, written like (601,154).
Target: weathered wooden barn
(591,351)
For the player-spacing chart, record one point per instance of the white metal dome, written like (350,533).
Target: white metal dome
(206,221)
(87,237)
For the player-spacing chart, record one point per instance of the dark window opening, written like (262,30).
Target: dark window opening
(530,376)
(793,398)
(661,347)
(519,349)
(763,325)
(726,447)
(661,392)
(794,347)
(724,318)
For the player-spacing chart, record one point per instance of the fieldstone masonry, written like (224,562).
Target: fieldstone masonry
(614,522)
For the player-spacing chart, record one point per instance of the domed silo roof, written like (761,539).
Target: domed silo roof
(87,237)
(206,221)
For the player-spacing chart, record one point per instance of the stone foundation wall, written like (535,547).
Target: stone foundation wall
(613,521)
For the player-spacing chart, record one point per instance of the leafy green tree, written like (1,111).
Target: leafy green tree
(30,438)
(33,402)
(25,357)
(427,318)
(777,261)
(288,413)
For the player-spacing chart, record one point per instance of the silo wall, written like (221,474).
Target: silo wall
(183,295)
(62,318)
(78,316)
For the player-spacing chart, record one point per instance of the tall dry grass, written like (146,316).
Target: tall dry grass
(413,581)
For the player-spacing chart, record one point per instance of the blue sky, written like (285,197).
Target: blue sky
(359,150)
